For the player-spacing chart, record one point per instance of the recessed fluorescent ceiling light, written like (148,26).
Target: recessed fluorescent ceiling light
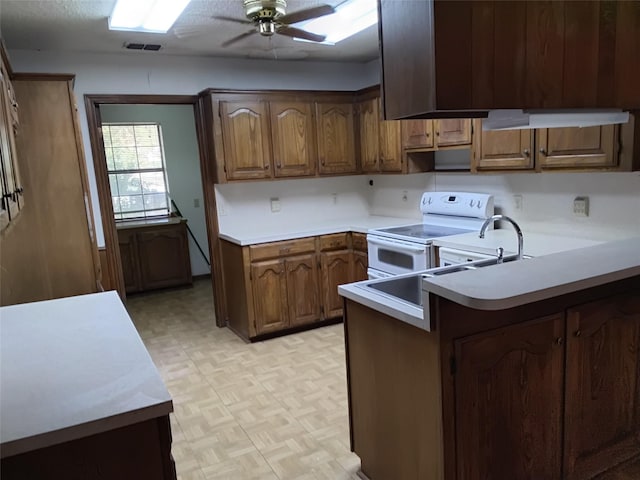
(155,16)
(350,17)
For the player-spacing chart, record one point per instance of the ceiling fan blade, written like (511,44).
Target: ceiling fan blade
(299,33)
(307,14)
(231,19)
(237,38)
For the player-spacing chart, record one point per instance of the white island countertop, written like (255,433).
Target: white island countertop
(250,235)
(499,287)
(71,368)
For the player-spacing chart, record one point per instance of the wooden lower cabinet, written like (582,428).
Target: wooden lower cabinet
(154,256)
(509,402)
(302,289)
(269,280)
(336,270)
(280,286)
(602,392)
(360,266)
(548,390)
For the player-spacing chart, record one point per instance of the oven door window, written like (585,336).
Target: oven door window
(397,259)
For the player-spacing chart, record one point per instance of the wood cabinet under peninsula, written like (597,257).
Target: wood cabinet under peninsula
(544,390)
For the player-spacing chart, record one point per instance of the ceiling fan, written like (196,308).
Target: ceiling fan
(269,17)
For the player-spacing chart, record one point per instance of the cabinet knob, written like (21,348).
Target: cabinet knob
(278,165)
(559,341)
(543,151)
(266,167)
(577,333)
(437,134)
(526,152)
(381,159)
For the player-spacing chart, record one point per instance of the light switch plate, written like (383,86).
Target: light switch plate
(275,204)
(581,206)
(517,202)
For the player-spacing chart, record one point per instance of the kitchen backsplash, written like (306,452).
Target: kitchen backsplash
(546,200)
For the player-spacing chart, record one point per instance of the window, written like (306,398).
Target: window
(135,161)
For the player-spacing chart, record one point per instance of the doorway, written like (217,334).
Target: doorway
(169,179)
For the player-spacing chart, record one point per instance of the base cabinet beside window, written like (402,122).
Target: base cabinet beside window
(154,256)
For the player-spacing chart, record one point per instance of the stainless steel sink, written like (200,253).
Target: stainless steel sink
(408,289)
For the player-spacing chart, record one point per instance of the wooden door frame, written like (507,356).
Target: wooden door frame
(112,251)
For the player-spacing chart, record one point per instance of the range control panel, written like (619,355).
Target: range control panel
(462,204)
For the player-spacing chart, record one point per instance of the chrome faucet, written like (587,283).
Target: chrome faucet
(495,218)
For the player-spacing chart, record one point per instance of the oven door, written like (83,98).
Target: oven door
(397,256)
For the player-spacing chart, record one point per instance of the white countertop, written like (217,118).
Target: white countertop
(70,368)
(248,235)
(499,287)
(143,222)
(535,244)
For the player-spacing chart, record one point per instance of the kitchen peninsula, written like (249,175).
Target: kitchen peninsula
(531,370)
(80,398)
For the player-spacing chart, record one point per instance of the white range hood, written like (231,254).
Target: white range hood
(520,119)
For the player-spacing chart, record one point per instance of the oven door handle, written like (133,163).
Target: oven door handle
(402,246)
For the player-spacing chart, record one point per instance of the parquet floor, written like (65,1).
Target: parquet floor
(271,410)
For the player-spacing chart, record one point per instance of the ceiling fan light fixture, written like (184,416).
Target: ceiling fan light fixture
(266,28)
(150,16)
(350,17)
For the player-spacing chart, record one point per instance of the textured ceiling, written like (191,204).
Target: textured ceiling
(81,26)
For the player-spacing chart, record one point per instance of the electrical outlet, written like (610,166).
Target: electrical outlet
(275,204)
(222,209)
(405,196)
(196,203)
(517,202)
(581,206)
(334,197)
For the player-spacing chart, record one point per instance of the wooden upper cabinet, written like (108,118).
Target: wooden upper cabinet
(293,139)
(508,54)
(586,147)
(417,134)
(390,146)
(529,409)
(602,410)
(453,131)
(12,198)
(369,135)
(246,139)
(269,280)
(502,149)
(302,289)
(335,134)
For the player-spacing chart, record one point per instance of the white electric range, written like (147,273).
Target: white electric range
(398,250)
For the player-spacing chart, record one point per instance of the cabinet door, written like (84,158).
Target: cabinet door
(336,270)
(336,148)
(508,402)
(360,265)
(369,135)
(390,146)
(588,147)
(11,182)
(292,133)
(417,134)
(502,149)
(303,289)
(245,135)
(269,280)
(129,259)
(454,131)
(602,410)
(164,257)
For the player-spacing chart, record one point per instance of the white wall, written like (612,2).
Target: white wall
(182,162)
(547,199)
(304,203)
(146,73)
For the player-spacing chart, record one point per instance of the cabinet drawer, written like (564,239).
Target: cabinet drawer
(279,249)
(359,242)
(335,241)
